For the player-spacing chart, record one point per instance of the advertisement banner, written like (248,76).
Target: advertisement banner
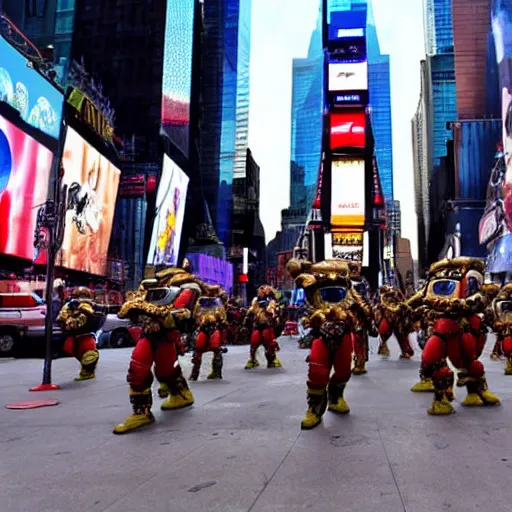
(24,178)
(347,252)
(348,129)
(33,96)
(347,24)
(177,74)
(170,211)
(92,182)
(349,76)
(348,193)
(348,99)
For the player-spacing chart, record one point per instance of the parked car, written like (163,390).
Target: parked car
(117,332)
(22,324)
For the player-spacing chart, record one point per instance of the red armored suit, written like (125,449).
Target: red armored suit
(391,317)
(336,309)
(164,313)
(80,319)
(262,316)
(455,304)
(210,317)
(363,325)
(501,321)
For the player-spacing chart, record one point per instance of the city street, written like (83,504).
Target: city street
(240,447)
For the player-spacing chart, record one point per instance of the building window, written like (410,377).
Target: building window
(64,5)
(35,8)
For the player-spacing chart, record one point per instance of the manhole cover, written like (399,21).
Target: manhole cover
(32,404)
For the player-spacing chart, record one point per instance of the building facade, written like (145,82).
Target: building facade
(306,124)
(471,27)
(438,26)
(379,82)
(225,105)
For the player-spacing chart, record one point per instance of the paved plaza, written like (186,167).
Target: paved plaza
(240,447)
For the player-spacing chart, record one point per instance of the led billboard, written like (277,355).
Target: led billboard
(170,212)
(24,178)
(348,129)
(92,182)
(35,98)
(347,193)
(349,98)
(349,76)
(177,72)
(346,24)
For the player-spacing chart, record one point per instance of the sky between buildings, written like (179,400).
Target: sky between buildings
(280,32)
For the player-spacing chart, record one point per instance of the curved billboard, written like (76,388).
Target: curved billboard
(170,212)
(177,73)
(25,167)
(348,129)
(35,98)
(92,182)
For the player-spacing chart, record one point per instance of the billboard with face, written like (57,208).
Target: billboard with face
(348,193)
(33,96)
(24,178)
(92,182)
(170,212)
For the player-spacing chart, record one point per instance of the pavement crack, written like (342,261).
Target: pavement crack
(267,482)
(391,469)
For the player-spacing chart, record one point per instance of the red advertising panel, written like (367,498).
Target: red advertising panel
(94,181)
(24,178)
(348,129)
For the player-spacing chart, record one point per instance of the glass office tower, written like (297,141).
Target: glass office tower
(225,105)
(306,124)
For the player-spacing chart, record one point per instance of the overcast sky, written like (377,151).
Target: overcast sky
(280,32)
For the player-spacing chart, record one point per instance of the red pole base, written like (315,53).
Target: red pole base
(45,387)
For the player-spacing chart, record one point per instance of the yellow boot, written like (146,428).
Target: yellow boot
(488,397)
(423,386)
(337,403)
(441,407)
(384,349)
(142,416)
(163,390)
(473,397)
(89,361)
(180,395)
(217,363)
(508,367)
(317,403)
(276,363)
(252,363)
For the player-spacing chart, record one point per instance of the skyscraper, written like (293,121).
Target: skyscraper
(379,81)
(306,122)
(438,26)
(471,27)
(225,105)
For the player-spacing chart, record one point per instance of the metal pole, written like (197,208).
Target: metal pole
(50,271)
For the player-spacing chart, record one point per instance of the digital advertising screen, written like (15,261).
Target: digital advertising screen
(25,167)
(348,193)
(177,72)
(170,212)
(347,24)
(501,22)
(35,98)
(349,76)
(348,129)
(92,183)
(349,98)
(334,6)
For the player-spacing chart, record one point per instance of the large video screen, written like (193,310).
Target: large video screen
(35,98)
(348,129)
(501,18)
(92,182)
(170,212)
(348,193)
(349,76)
(177,74)
(346,24)
(25,167)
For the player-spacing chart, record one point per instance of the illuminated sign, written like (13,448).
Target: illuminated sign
(348,193)
(35,98)
(348,76)
(348,129)
(350,33)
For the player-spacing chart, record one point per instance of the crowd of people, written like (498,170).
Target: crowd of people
(453,310)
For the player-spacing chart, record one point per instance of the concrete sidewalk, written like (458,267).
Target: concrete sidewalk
(240,447)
